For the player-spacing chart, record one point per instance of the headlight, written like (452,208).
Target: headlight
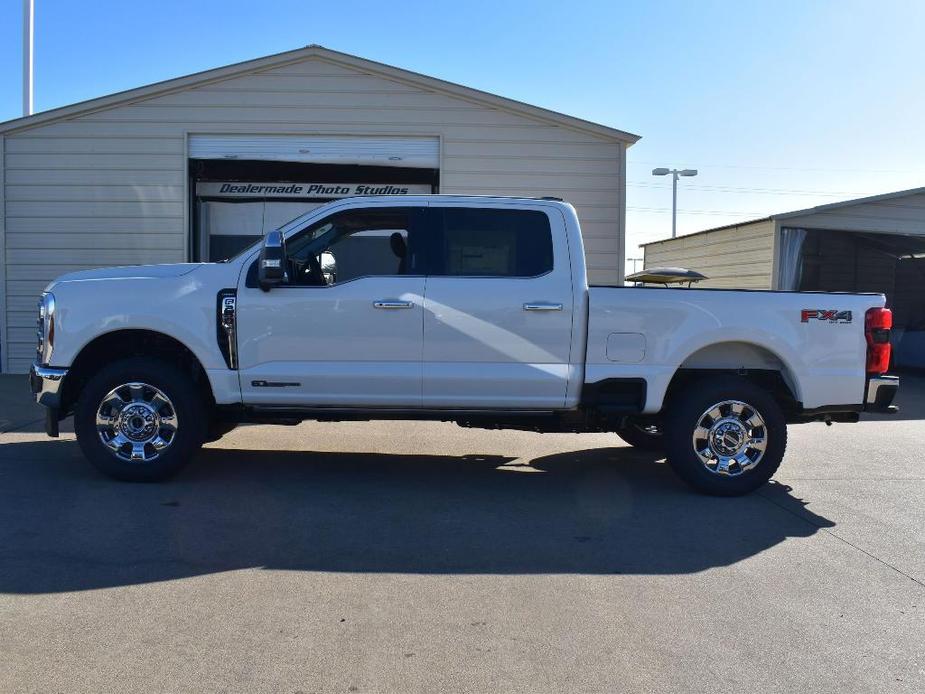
(45,328)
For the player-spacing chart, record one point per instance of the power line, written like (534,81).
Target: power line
(722,213)
(786,168)
(745,190)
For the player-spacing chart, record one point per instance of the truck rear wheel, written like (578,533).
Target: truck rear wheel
(645,435)
(725,436)
(140,420)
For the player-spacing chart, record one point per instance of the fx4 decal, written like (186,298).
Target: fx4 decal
(827,315)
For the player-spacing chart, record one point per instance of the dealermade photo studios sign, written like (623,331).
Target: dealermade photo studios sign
(245,189)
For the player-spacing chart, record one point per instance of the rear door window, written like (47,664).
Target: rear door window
(473,242)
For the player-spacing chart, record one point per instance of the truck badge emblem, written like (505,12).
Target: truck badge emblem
(826,315)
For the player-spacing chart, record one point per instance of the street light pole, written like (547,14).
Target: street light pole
(674,204)
(675,173)
(28,14)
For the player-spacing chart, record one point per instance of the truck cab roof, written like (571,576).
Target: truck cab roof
(451,197)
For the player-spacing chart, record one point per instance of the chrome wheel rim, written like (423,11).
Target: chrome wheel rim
(136,422)
(730,438)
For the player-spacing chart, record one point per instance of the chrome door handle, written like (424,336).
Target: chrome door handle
(542,307)
(392,304)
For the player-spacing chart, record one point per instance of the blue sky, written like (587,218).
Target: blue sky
(781,105)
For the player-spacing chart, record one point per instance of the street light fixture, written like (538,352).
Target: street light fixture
(675,173)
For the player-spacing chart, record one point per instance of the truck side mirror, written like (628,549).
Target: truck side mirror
(271,265)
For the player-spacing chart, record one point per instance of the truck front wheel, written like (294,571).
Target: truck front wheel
(140,419)
(725,436)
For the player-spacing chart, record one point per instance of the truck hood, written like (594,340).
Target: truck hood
(130,271)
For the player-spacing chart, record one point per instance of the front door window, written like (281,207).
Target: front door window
(353,245)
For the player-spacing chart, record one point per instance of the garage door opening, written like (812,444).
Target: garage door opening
(244,186)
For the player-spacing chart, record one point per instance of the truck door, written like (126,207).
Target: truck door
(346,329)
(497,308)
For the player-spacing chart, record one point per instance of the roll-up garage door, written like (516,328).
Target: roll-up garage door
(409,152)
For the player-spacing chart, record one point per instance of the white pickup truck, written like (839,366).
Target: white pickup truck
(468,309)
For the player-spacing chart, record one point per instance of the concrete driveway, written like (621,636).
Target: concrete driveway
(408,557)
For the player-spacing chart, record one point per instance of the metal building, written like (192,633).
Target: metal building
(874,244)
(194,168)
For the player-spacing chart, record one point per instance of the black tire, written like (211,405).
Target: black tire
(689,408)
(642,434)
(185,400)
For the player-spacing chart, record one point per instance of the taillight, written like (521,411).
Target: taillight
(877,324)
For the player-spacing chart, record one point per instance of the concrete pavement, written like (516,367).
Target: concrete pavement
(410,557)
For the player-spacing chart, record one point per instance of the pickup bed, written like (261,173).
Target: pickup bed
(468,309)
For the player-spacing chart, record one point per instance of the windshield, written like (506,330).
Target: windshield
(304,239)
(299,222)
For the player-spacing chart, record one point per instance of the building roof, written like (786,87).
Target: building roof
(319,52)
(801,213)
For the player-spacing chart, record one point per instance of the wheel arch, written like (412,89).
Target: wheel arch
(752,361)
(131,342)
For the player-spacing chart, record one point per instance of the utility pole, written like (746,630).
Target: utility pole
(675,173)
(674,204)
(28,21)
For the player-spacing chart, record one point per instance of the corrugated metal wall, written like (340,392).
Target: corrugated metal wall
(109,187)
(735,257)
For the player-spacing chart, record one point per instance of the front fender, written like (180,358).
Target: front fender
(181,308)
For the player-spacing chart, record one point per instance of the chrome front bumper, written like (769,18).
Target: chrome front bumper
(45,383)
(880,393)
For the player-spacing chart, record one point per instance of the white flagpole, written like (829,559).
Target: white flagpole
(28,12)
